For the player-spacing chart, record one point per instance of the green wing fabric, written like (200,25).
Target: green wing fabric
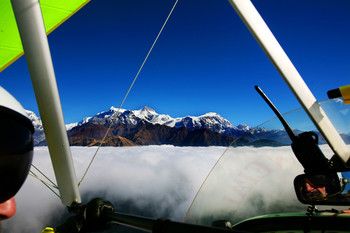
(55,12)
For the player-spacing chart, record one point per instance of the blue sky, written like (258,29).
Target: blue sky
(206,60)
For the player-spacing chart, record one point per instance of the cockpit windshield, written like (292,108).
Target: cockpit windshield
(255,175)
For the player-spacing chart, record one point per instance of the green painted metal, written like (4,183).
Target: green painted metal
(296,222)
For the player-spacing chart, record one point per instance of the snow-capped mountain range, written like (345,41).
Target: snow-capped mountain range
(211,121)
(223,132)
(38,127)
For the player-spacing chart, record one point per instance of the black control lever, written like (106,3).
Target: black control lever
(304,145)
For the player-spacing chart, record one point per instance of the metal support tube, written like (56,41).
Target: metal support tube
(254,22)
(37,53)
(162,225)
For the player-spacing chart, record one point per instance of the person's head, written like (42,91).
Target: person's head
(315,190)
(16,150)
(322,186)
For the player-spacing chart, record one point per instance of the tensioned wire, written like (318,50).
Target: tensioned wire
(50,184)
(126,95)
(224,153)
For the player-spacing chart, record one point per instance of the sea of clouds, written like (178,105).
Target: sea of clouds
(162,181)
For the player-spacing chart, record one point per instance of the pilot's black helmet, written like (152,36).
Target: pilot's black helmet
(330,181)
(16,145)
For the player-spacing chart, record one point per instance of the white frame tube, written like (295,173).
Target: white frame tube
(37,53)
(291,76)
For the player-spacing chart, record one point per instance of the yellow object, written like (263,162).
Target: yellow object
(345,93)
(48,230)
(55,12)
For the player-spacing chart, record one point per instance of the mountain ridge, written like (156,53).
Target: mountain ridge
(146,127)
(146,116)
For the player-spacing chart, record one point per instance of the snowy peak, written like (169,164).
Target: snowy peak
(211,121)
(146,110)
(132,117)
(35,120)
(244,127)
(146,114)
(38,127)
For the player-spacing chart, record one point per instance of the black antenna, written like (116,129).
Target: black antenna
(305,145)
(278,114)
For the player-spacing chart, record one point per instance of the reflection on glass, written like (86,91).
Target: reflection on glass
(339,114)
(255,175)
(326,189)
(346,181)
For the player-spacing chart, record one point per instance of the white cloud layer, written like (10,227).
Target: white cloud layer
(161,181)
(152,180)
